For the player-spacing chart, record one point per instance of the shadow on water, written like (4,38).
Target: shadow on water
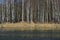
(30,35)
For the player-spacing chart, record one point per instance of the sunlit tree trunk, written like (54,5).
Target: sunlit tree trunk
(7,11)
(10,12)
(52,11)
(2,12)
(38,10)
(22,10)
(47,9)
(18,14)
(28,9)
(43,15)
(31,16)
(58,10)
(31,11)
(55,11)
(13,11)
(43,11)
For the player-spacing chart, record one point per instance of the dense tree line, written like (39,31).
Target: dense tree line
(37,11)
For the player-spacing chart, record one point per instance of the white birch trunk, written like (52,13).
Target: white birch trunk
(31,16)
(47,9)
(18,12)
(43,16)
(13,10)
(7,10)
(27,8)
(38,10)
(22,10)
(2,11)
(58,9)
(54,10)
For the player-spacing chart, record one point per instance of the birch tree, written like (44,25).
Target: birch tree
(52,10)
(2,11)
(28,9)
(31,16)
(13,17)
(31,9)
(43,12)
(58,14)
(47,9)
(7,10)
(22,10)
(38,10)
(10,11)
(18,14)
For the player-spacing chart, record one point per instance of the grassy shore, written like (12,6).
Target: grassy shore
(29,26)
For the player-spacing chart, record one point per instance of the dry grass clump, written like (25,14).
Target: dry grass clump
(29,26)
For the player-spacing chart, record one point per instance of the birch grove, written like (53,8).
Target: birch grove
(37,11)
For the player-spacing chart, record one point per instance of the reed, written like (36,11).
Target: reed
(29,26)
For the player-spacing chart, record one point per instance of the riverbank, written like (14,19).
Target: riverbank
(29,26)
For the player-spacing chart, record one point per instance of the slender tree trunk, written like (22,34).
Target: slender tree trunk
(31,9)
(47,9)
(22,10)
(10,12)
(7,10)
(18,14)
(57,10)
(43,15)
(1,14)
(31,16)
(28,10)
(13,11)
(38,10)
(2,11)
(53,11)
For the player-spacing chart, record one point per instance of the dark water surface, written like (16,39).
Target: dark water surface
(30,35)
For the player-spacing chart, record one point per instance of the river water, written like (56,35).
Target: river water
(30,35)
